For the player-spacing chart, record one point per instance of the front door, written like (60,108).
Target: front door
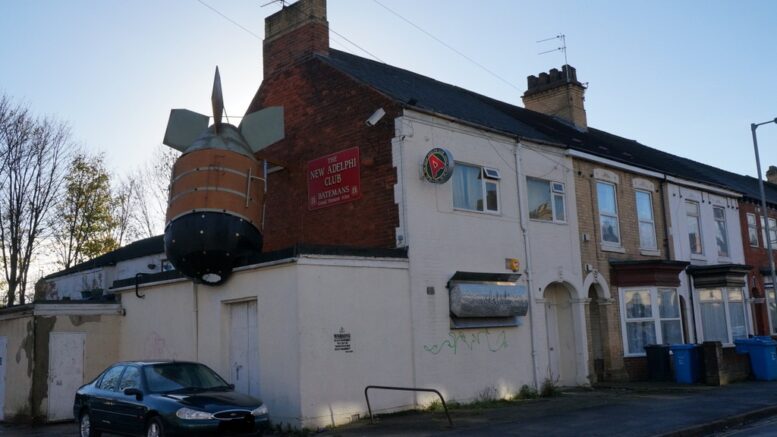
(66,372)
(3,344)
(561,338)
(244,347)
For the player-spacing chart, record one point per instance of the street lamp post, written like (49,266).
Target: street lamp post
(764,212)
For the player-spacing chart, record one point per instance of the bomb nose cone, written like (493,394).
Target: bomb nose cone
(207,246)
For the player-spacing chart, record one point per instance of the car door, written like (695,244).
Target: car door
(129,411)
(104,399)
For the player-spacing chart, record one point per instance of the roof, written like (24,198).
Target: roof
(137,249)
(429,95)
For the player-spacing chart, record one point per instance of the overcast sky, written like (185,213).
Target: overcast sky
(687,77)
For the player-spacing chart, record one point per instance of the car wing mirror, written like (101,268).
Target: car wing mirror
(134,392)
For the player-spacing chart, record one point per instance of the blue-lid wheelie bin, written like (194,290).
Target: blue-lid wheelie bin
(763,358)
(687,363)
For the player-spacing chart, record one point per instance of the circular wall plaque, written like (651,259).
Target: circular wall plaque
(438,166)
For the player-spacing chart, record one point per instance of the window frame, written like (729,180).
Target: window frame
(752,227)
(723,220)
(655,317)
(772,229)
(652,221)
(727,311)
(553,194)
(698,226)
(484,180)
(619,243)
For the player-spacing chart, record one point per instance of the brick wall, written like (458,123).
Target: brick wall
(591,253)
(324,113)
(758,258)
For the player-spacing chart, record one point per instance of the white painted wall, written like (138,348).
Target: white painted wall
(676,196)
(464,363)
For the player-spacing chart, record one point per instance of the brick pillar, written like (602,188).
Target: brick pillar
(713,363)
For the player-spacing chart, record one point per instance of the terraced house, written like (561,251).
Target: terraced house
(482,247)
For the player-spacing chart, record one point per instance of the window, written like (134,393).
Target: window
(752,230)
(772,232)
(167,266)
(694,226)
(476,188)
(721,236)
(651,315)
(546,200)
(130,379)
(722,314)
(647,227)
(110,379)
(608,213)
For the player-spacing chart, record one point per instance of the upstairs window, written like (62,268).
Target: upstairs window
(721,233)
(647,226)
(772,232)
(546,200)
(476,188)
(608,213)
(752,230)
(694,226)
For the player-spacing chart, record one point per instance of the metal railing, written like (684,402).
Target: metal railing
(384,387)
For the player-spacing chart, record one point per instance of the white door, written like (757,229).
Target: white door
(66,372)
(3,344)
(244,347)
(551,322)
(561,339)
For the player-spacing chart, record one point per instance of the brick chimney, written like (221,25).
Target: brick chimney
(557,93)
(294,34)
(771,174)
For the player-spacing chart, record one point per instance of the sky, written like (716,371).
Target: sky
(687,77)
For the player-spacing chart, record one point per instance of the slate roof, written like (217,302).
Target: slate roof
(136,249)
(429,95)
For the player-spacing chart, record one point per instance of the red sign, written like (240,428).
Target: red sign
(334,179)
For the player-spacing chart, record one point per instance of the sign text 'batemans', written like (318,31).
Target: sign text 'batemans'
(334,179)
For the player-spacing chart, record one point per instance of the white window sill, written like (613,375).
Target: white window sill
(550,222)
(617,249)
(698,257)
(647,252)
(474,211)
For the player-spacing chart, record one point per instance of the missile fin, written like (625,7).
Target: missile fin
(183,127)
(217,100)
(262,128)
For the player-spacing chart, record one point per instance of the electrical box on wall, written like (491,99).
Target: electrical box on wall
(512,264)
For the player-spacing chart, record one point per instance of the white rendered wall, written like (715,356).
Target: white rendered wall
(465,363)
(677,195)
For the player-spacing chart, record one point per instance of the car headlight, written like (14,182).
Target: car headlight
(260,411)
(189,414)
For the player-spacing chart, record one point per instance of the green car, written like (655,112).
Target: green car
(166,398)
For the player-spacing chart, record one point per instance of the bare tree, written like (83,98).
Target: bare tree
(32,158)
(151,198)
(125,210)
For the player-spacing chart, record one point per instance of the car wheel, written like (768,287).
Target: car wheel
(86,427)
(155,428)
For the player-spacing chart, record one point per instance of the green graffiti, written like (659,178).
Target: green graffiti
(471,340)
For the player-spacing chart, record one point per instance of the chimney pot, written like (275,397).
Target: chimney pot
(558,93)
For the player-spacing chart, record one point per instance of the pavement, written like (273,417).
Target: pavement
(633,409)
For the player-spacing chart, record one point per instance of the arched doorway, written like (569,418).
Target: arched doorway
(595,334)
(561,335)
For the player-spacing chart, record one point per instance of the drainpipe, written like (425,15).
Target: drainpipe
(196,321)
(524,228)
(662,187)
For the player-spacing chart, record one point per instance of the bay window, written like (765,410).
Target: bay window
(722,311)
(650,315)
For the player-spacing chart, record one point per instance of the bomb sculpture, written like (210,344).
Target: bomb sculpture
(215,212)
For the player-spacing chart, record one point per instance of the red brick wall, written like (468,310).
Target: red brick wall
(325,112)
(295,46)
(758,258)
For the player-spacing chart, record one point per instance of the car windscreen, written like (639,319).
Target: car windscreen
(171,377)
